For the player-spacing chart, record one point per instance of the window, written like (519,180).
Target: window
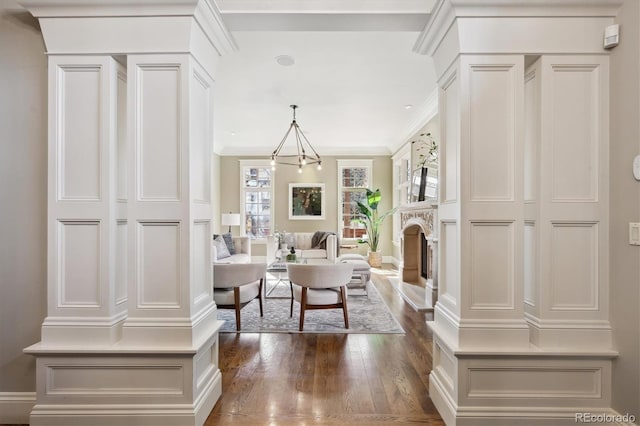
(354,177)
(256,183)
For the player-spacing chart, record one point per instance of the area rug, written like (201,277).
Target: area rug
(367,315)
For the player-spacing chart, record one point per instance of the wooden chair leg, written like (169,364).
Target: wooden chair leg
(291,309)
(343,294)
(303,306)
(236,299)
(260,296)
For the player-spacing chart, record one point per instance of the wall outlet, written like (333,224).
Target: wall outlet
(634,233)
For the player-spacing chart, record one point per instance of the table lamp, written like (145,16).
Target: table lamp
(231,219)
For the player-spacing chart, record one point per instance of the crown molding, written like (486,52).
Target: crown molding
(128,13)
(447,11)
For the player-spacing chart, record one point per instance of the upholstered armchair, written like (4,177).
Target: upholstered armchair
(303,242)
(320,287)
(237,284)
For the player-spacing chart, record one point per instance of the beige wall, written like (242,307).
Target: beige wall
(230,190)
(23,196)
(625,208)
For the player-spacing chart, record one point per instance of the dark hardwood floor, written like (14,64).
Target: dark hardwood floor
(336,379)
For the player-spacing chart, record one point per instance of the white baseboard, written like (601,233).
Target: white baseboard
(15,407)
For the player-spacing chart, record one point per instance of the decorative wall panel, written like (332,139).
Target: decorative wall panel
(574,266)
(529,263)
(201,261)
(159,265)
(574,141)
(158,138)
(121,117)
(531,134)
(119,380)
(449,280)
(492,265)
(451,108)
(78,132)
(523,382)
(79,264)
(122,257)
(491,132)
(200,173)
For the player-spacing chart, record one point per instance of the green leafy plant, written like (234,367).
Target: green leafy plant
(427,150)
(371,219)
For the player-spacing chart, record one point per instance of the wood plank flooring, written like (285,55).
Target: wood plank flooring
(331,379)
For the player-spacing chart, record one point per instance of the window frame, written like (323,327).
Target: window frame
(260,164)
(347,164)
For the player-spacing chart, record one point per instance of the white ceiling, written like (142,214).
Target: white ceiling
(354,73)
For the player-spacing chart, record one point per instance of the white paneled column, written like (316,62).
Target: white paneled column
(481,212)
(84,291)
(521,327)
(170,127)
(567,242)
(131,335)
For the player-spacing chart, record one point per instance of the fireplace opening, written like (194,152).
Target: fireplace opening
(424,258)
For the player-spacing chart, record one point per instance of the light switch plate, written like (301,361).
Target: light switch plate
(636,167)
(634,233)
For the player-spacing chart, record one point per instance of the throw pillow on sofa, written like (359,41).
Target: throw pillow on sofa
(228,240)
(221,247)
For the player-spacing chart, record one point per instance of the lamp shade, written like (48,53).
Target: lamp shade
(230,219)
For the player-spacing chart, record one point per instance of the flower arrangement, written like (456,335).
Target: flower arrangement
(279,236)
(427,150)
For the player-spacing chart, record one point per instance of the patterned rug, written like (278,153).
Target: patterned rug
(367,315)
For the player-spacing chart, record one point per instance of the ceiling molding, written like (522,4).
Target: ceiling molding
(325,21)
(426,112)
(446,12)
(326,6)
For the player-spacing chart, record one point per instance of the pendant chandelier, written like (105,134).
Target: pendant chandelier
(302,157)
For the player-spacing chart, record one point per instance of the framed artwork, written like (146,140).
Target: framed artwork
(306,201)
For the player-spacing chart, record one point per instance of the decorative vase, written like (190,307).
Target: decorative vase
(291,257)
(423,183)
(375,259)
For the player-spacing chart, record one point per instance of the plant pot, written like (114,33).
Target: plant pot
(375,259)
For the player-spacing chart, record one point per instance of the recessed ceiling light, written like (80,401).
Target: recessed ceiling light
(408,106)
(233,133)
(285,60)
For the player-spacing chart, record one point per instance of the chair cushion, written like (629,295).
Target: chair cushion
(224,296)
(221,247)
(313,254)
(236,258)
(322,296)
(358,265)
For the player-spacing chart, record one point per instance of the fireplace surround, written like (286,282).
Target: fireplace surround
(418,269)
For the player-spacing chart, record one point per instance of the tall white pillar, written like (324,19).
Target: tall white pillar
(567,228)
(523,216)
(131,334)
(85,298)
(169,212)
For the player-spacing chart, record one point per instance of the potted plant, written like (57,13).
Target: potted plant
(426,152)
(372,221)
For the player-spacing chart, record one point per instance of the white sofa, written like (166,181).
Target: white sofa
(243,251)
(302,243)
